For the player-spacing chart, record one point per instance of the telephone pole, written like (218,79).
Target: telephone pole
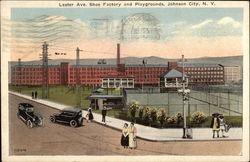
(45,87)
(78,82)
(184,111)
(19,83)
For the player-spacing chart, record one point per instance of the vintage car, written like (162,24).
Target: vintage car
(26,114)
(71,116)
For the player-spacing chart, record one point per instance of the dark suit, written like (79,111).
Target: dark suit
(212,123)
(104,113)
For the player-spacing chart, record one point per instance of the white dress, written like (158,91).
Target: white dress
(132,137)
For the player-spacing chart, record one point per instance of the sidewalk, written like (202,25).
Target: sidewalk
(149,133)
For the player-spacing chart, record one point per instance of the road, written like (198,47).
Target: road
(95,139)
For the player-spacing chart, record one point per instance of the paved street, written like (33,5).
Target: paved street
(95,139)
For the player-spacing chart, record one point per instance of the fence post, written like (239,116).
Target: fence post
(209,101)
(168,102)
(209,112)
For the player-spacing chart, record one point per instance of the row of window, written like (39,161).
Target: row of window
(204,68)
(207,72)
(206,80)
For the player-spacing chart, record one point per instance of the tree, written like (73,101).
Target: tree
(175,119)
(140,113)
(161,116)
(153,114)
(146,114)
(198,117)
(133,107)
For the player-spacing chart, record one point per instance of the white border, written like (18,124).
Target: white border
(5,57)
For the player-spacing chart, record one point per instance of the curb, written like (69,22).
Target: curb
(180,140)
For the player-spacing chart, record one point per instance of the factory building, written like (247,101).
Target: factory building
(119,75)
(232,74)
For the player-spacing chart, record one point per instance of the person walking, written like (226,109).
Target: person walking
(32,95)
(132,136)
(35,94)
(90,115)
(104,113)
(215,124)
(125,136)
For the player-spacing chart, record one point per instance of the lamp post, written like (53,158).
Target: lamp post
(185,97)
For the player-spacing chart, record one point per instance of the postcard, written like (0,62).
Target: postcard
(125,80)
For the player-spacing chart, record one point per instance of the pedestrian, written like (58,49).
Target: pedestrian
(104,113)
(215,124)
(125,136)
(132,136)
(90,115)
(35,94)
(32,94)
(222,125)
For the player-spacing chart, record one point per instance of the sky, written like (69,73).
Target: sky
(167,32)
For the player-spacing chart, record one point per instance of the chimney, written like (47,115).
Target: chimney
(118,54)
(19,62)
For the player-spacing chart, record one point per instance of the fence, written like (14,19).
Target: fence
(228,103)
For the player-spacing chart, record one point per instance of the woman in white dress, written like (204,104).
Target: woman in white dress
(132,136)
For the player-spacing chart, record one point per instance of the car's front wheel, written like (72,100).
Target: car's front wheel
(52,119)
(73,123)
(29,124)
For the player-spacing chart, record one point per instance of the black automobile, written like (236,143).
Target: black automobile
(71,116)
(26,114)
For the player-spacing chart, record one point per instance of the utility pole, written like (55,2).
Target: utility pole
(45,87)
(184,100)
(78,83)
(19,75)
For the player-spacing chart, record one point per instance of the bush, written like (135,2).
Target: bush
(133,107)
(175,119)
(140,113)
(198,117)
(161,116)
(153,114)
(147,114)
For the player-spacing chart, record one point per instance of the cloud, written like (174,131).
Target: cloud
(225,26)
(229,21)
(206,38)
(204,23)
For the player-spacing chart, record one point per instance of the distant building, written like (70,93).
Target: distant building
(173,79)
(118,81)
(95,75)
(202,73)
(232,74)
(119,75)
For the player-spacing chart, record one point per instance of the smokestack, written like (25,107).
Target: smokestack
(118,53)
(19,62)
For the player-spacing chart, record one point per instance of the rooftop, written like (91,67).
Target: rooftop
(199,65)
(173,73)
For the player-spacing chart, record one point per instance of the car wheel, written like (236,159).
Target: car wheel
(18,115)
(30,124)
(52,119)
(80,122)
(41,123)
(73,123)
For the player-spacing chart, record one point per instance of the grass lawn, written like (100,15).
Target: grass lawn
(63,94)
